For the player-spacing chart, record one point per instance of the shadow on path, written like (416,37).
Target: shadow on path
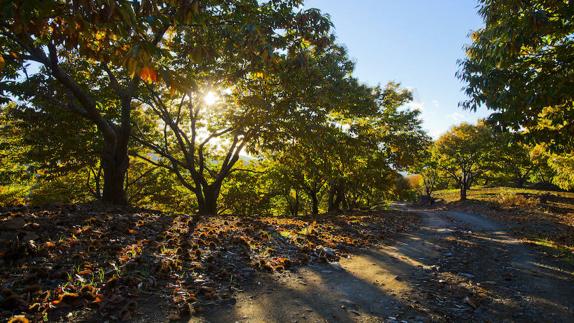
(457,267)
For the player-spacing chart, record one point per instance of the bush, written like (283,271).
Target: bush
(66,189)
(13,194)
(509,199)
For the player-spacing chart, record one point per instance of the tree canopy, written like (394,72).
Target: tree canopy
(520,66)
(124,96)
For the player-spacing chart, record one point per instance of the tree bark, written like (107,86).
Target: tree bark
(314,203)
(463,192)
(115,162)
(336,196)
(340,196)
(293,204)
(331,206)
(207,200)
(520,182)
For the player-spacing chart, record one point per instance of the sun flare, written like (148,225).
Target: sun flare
(210,98)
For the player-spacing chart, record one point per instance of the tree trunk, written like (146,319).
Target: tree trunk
(336,196)
(115,162)
(463,192)
(314,203)
(520,182)
(340,197)
(293,204)
(208,200)
(332,207)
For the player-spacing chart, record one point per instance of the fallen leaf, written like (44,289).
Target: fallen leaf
(65,298)
(18,319)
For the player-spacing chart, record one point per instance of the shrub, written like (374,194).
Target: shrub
(509,199)
(13,194)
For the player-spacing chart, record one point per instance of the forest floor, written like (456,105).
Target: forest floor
(95,263)
(482,260)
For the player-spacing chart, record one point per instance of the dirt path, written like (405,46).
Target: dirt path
(457,267)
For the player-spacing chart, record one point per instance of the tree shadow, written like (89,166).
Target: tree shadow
(317,293)
(154,266)
(88,258)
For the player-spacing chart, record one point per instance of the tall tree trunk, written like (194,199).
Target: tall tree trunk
(115,162)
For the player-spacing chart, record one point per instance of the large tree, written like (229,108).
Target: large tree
(256,102)
(513,159)
(465,153)
(93,46)
(388,140)
(355,153)
(87,48)
(520,65)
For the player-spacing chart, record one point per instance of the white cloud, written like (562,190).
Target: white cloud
(435,103)
(456,117)
(436,133)
(417,105)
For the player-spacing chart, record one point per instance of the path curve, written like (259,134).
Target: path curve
(456,267)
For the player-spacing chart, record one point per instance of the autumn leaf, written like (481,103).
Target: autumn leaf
(99,298)
(18,319)
(86,271)
(65,297)
(148,74)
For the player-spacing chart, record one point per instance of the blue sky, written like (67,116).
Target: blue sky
(414,42)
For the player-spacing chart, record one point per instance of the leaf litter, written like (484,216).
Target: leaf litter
(86,262)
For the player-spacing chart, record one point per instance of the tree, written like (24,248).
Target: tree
(520,66)
(539,155)
(258,99)
(354,155)
(88,48)
(464,154)
(563,165)
(513,159)
(307,165)
(15,174)
(430,178)
(247,191)
(387,140)
(116,46)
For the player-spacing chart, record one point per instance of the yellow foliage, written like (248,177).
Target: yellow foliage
(414,181)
